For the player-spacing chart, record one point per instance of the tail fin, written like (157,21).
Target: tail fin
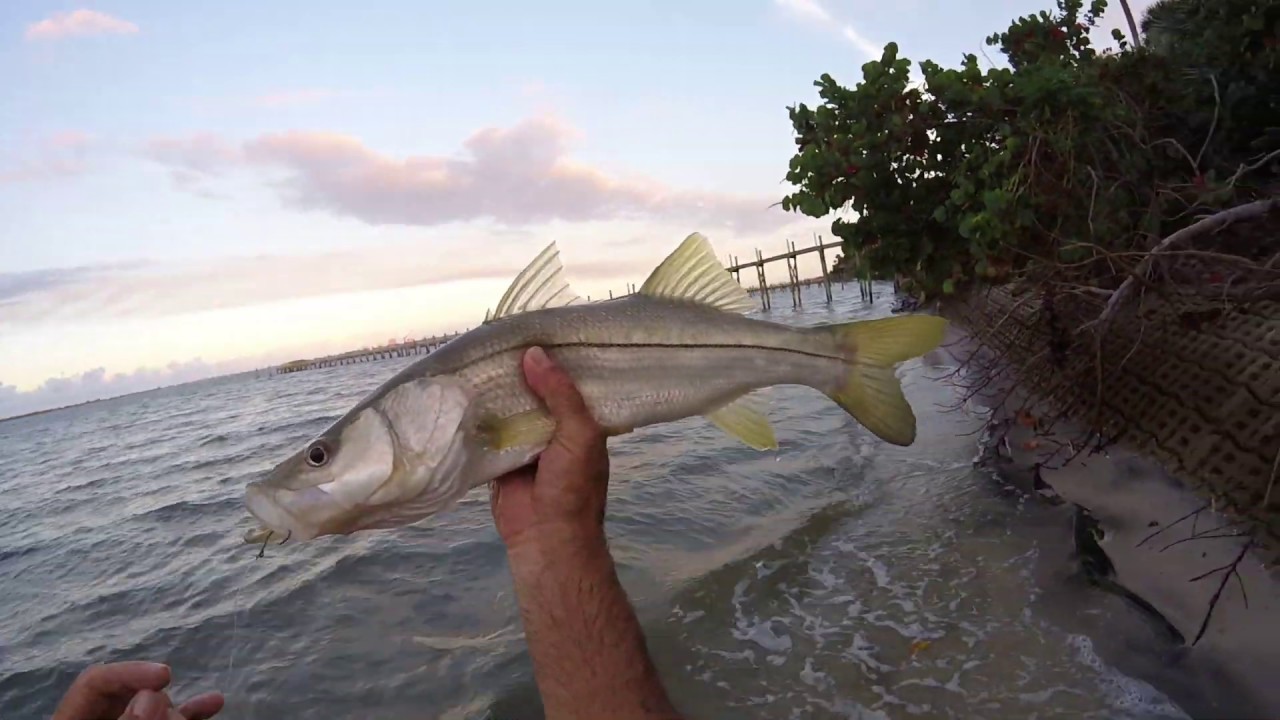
(870,391)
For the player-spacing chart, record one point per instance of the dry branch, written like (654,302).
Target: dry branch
(1227,571)
(1201,227)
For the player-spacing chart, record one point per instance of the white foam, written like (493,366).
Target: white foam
(1123,691)
(812,677)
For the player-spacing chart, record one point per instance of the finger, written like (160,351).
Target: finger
(510,485)
(202,706)
(521,475)
(148,705)
(574,423)
(125,677)
(526,472)
(103,690)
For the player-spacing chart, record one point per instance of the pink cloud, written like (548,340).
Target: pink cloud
(152,289)
(78,23)
(59,155)
(203,153)
(69,139)
(518,175)
(290,98)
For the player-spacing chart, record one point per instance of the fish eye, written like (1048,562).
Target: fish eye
(317,454)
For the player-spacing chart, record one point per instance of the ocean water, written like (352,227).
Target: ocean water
(836,578)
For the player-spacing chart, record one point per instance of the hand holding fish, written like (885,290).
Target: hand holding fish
(588,649)
(678,347)
(563,494)
(130,691)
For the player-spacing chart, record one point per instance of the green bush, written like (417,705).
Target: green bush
(1048,167)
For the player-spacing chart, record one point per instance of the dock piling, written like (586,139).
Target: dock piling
(822,258)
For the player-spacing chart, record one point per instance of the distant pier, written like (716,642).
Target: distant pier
(405,348)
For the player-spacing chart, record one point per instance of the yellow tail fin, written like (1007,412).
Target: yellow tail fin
(870,391)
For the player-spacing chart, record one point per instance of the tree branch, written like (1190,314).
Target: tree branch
(1230,569)
(1201,227)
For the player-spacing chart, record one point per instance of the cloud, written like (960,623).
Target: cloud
(276,308)
(96,384)
(154,289)
(14,286)
(865,46)
(58,155)
(202,153)
(78,23)
(600,256)
(292,98)
(519,175)
(813,12)
(69,140)
(281,99)
(805,9)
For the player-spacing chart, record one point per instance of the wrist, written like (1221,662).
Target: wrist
(538,545)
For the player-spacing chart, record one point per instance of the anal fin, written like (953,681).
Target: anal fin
(742,420)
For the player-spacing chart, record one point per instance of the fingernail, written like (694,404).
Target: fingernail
(146,705)
(538,358)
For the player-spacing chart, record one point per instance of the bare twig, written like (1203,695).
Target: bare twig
(1178,145)
(1203,536)
(1230,569)
(1175,523)
(1205,225)
(1217,104)
(1250,168)
(1142,329)
(1275,467)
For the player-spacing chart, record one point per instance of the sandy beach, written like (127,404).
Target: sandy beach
(1156,537)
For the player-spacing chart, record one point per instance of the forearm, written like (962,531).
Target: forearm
(588,649)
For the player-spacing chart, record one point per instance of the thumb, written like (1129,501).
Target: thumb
(554,386)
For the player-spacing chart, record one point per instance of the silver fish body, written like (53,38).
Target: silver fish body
(463,415)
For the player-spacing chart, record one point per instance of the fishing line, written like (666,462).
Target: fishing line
(235,609)
(235,606)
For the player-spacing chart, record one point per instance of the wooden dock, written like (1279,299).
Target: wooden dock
(792,258)
(794,285)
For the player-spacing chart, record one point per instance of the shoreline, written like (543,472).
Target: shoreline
(1133,525)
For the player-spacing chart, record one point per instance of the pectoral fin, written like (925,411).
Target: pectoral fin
(532,427)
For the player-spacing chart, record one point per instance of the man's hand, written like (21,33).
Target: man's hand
(589,656)
(130,691)
(562,496)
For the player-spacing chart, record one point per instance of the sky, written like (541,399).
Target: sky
(189,189)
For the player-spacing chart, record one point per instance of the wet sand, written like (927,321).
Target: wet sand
(1155,535)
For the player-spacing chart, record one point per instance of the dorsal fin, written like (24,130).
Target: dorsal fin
(692,273)
(540,285)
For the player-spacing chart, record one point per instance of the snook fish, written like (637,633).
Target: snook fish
(679,347)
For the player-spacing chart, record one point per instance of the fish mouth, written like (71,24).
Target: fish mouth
(264,505)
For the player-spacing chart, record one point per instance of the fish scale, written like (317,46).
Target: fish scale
(680,347)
